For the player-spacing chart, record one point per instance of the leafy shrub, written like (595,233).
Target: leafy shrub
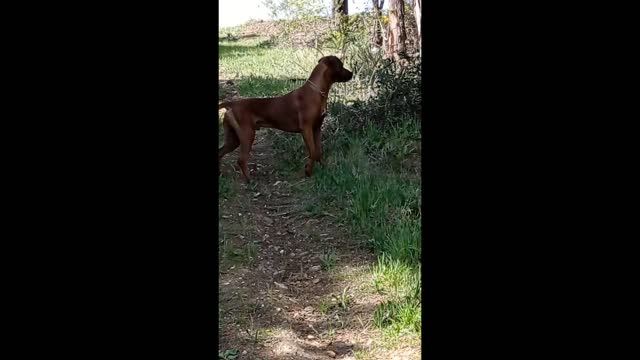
(394,96)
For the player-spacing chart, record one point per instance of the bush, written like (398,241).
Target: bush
(393,97)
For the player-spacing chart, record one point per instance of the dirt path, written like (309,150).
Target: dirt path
(293,285)
(296,294)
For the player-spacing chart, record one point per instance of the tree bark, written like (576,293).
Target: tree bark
(397,32)
(417,12)
(341,7)
(340,10)
(377,25)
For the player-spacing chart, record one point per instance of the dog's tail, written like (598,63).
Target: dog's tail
(229,117)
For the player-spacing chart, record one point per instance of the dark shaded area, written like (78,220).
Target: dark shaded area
(341,7)
(227,50)
(233,38)
(257,86)
(398,98)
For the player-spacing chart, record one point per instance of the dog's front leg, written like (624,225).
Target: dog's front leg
(317,139)
(307,135)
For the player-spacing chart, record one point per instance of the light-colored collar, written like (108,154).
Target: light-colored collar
(316,88)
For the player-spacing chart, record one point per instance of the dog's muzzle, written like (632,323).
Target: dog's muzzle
(346,76)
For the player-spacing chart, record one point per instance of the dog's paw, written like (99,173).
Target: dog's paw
(308,170)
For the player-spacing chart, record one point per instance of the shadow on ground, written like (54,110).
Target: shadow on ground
(231,38)
(234,50)
(259,86)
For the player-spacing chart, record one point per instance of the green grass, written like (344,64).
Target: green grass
(380,198)
(339,301)
(256,57)
(400,282)
(329,259)
(245,254)
(228,354)
(371,180)
(383,200)
(227,187)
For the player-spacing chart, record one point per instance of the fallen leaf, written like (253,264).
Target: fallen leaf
(281,286)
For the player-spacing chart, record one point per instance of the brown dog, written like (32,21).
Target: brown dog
(300,111)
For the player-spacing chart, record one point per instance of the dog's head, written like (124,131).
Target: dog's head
(335,69)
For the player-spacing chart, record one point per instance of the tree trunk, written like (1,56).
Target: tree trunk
(377,26)
(397,33)
(340,10)
(417,12)
(341,7)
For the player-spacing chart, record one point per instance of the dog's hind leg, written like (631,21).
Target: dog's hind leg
(246,142)
(231,141)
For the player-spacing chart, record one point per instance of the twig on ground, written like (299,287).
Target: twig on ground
(282,214)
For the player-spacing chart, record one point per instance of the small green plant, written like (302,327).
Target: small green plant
(344,299)
(226,187)
(384,314)
(228,354)
(396,278)
(341,301)
(325,306)
(401,283)
(328,259)
(331,332)
(252,251)
(361,355)
(246,254)
(313,208)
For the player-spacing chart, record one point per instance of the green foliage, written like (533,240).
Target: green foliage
(302,17)
(328,259)
(401,282)
(229,354)
(372,176)
(395,97)
(226,188)
(399,89)
(257,59)
(295,9)
(363,61)
(348,31)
